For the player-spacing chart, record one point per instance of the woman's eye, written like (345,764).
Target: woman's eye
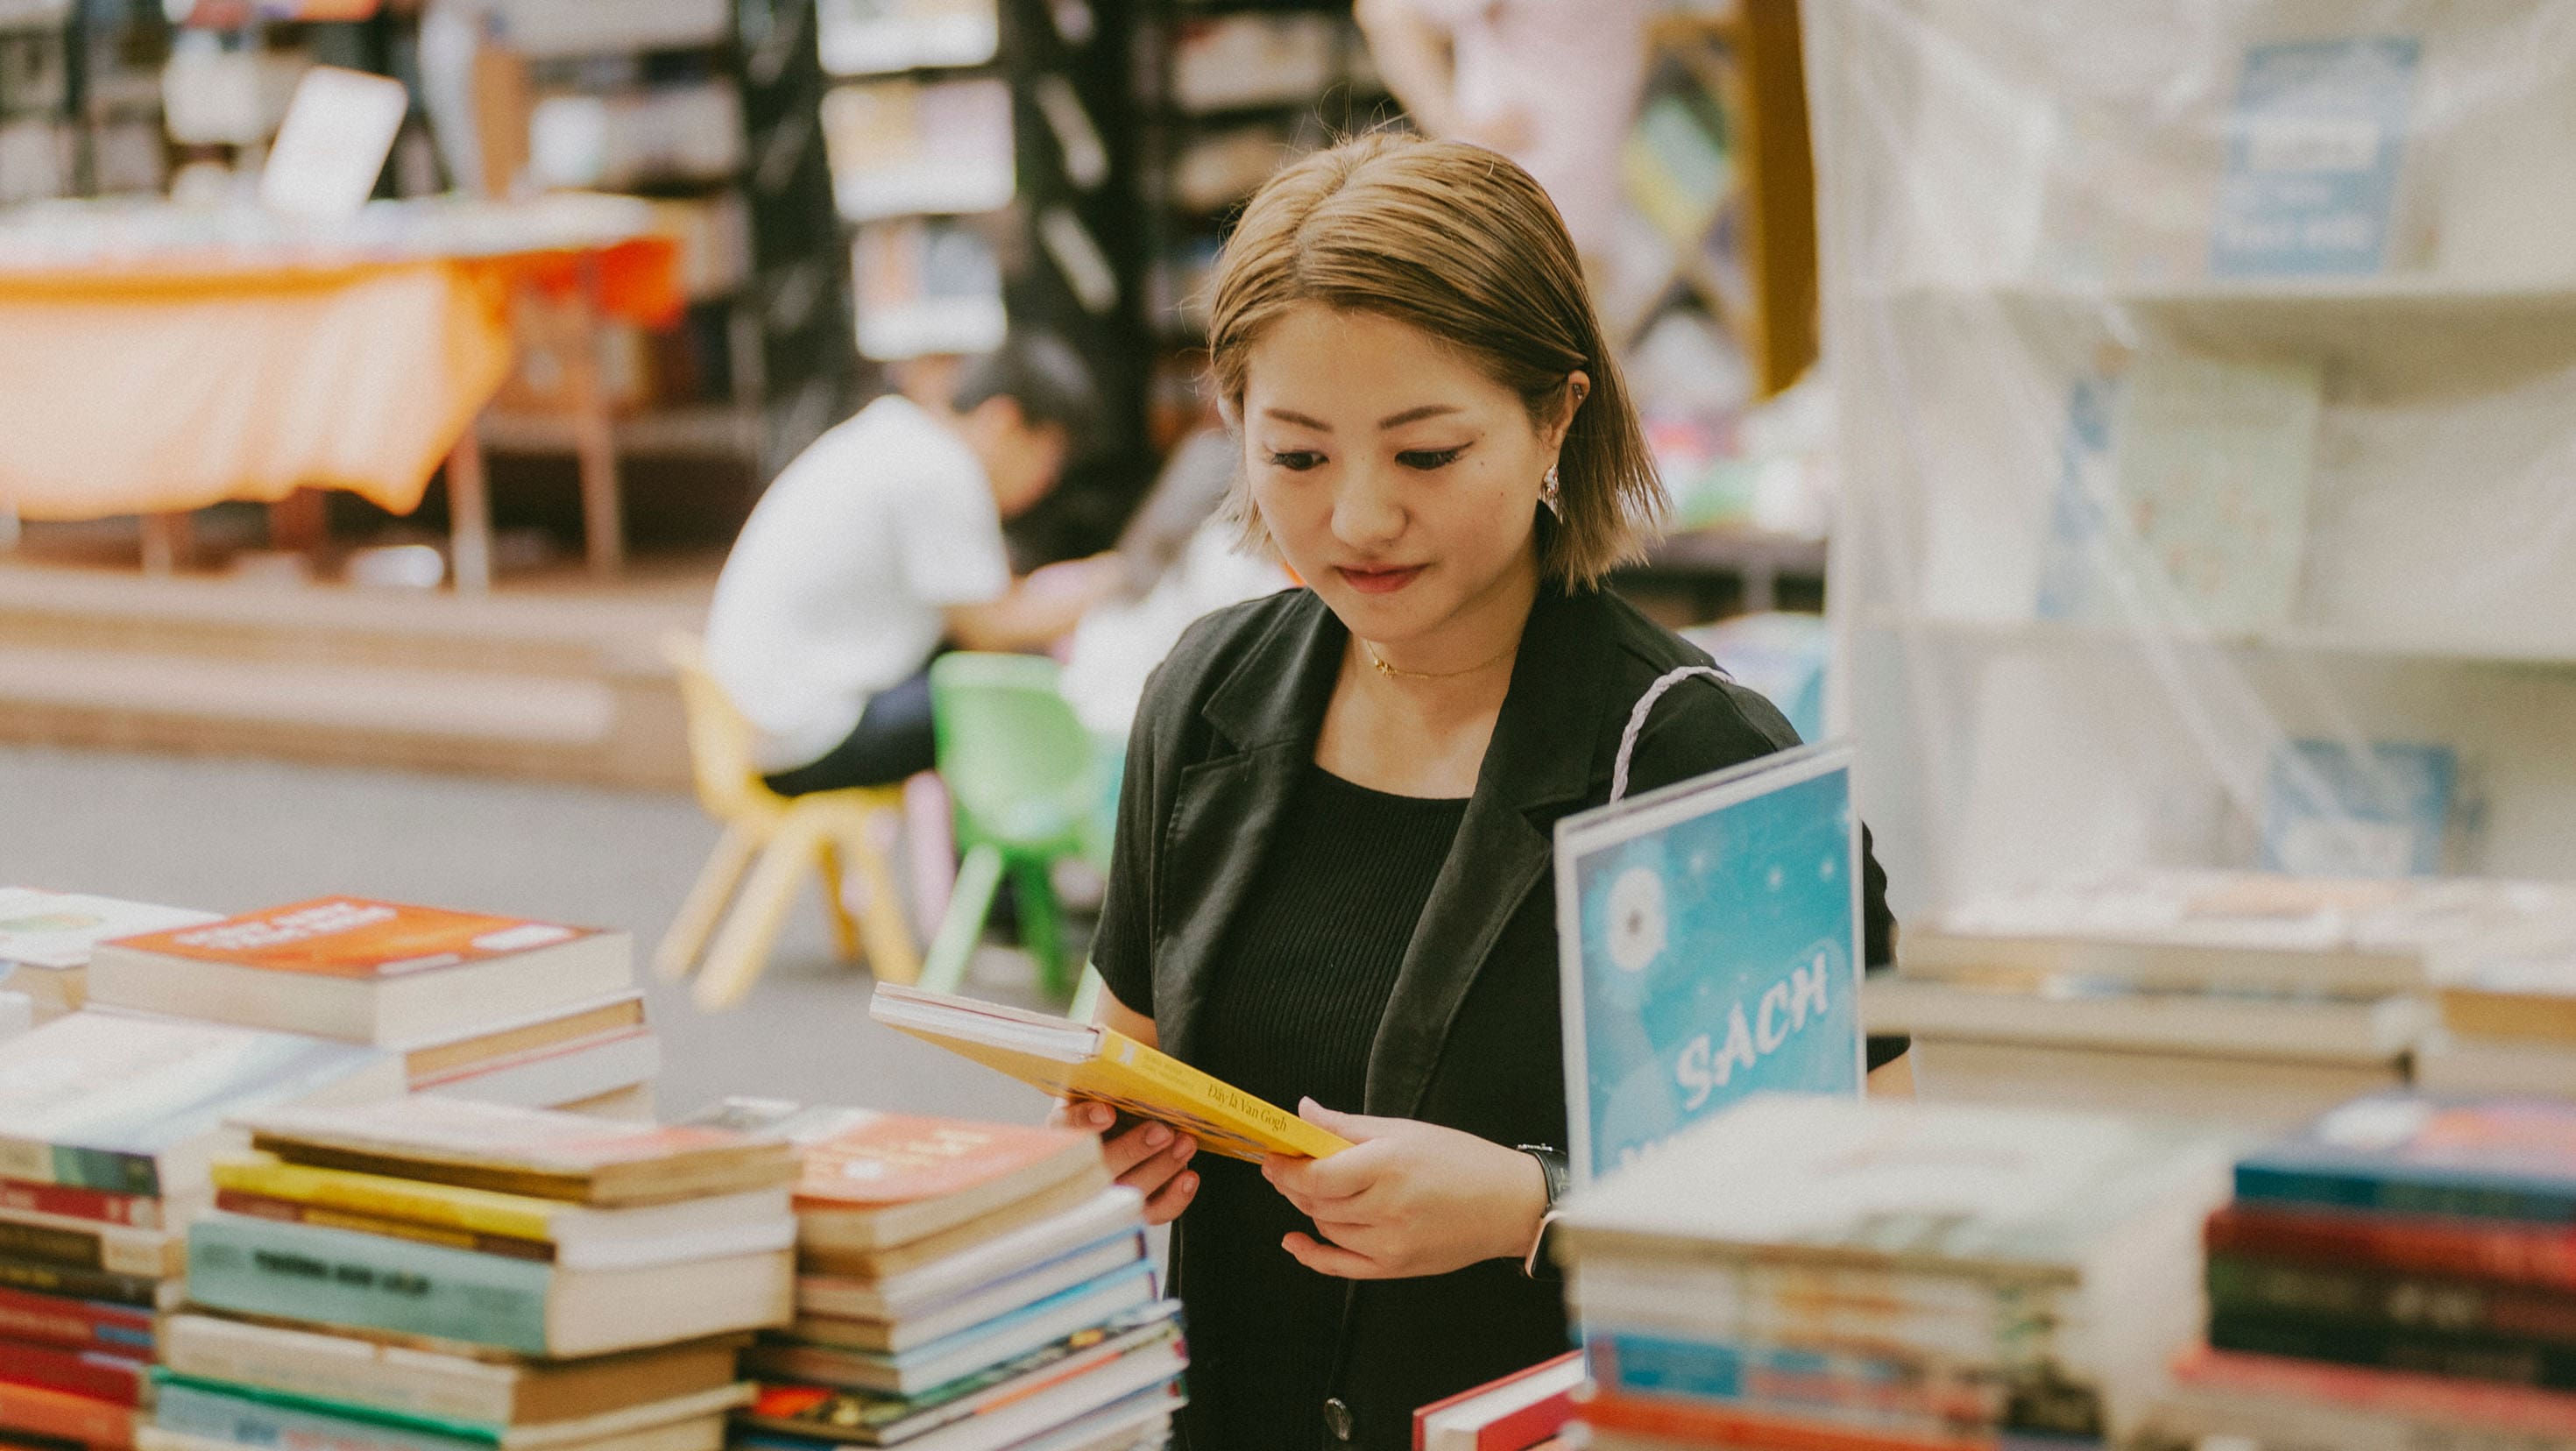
(1296,461)
(1427,459)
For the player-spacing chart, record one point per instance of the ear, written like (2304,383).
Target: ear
(998,414)
(1578,386)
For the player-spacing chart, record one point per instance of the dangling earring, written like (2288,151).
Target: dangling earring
(1550,494)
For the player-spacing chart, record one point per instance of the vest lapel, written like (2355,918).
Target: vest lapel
(1539,761)
(1227,808)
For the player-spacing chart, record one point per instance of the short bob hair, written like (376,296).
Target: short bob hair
(1458,241)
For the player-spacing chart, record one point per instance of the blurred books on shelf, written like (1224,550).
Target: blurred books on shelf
(1894,1276)
(2314,145)
(962,1287)
(926,285)
(903,147)
(629,139)
(2386,811)
(1233,62)
(46,939)
(874,37)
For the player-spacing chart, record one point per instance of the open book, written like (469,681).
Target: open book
(1080,1060)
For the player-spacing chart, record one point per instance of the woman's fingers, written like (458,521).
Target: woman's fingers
(1143,1144)
(1331,1259)
(1165,1204)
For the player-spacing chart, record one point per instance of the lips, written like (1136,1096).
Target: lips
(1380,581)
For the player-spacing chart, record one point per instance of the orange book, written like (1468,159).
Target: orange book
(36,1410)
(371,972)
(1714,1425)
(888,1179)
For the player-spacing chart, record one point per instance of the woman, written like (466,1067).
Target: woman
(1329,886)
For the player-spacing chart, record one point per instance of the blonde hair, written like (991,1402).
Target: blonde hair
(1459,242)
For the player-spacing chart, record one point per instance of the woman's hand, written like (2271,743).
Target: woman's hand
(1408,1198)
(1148,1158)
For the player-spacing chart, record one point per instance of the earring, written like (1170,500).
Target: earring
(1550,494)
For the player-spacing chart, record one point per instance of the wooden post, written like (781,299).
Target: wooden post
(603,524)
(469,516)
(1780,193)
(301,521)
(167,542)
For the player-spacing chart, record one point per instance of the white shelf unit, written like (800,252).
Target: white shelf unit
(2015,198)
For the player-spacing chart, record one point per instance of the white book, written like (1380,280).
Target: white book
(987,1267)
(2370,1030)
(57,929)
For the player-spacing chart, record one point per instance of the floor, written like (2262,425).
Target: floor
(228,835)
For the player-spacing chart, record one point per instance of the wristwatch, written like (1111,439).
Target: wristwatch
(1551,1163)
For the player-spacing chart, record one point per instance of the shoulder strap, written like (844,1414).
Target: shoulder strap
(1637,719)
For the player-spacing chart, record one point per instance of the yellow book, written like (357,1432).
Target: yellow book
(1082,1060)
(415,1201)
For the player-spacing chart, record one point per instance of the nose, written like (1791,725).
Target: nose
(1366,513)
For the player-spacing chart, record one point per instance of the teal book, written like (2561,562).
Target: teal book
(2500,1158)
(127,1102)
(342,1277)
(238,1414)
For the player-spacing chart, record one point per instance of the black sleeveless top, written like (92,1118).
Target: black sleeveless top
(1294,1007)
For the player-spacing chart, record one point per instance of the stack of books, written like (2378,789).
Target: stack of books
(107,1121)
(962,1287)
(2402,1273)
(2255,999)
(430,1274)
(497,1009)
(1835,1275)
(46,939)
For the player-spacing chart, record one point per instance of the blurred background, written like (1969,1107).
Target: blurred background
(346,458)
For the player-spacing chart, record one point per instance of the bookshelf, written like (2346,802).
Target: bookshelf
(977,186)
(2067,277)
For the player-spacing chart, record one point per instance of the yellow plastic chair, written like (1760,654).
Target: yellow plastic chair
(787,835)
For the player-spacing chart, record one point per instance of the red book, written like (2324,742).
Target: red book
(64,1417)
(1515,1413)
(139,1211)
(1712,1425)
(2512,1251)
(75,1324)
(82,1373)
(2519,1410)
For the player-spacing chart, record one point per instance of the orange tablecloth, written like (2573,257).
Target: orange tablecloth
(176,386)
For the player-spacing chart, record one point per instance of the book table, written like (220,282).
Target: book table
(155,359)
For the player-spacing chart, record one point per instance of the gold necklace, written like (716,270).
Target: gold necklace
(1379,661)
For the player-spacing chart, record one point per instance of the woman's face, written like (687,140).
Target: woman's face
(1398,480)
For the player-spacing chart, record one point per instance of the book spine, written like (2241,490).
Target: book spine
(42,1278)
(2385,1347)
(1715,1425)
(2514,1254)
(1884,1393)
(374,1382)
(1528,1426)
(119,1251)
(260,1206)
(64,1416)
(308,1272)
(241,1420)
(2343,1189)
(2405,1302)
(134,1211)
(101,1377)
(73,1324)
(2289,1383)
(409,1200)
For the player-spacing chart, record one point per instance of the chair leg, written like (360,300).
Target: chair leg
(945,969)
(742,949)
(929,830)
(1041,924)
(845,929)
(699,912)
(891,955)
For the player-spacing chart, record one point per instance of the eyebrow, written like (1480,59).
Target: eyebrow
(1392,420)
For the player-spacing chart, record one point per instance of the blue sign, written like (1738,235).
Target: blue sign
(1710,941)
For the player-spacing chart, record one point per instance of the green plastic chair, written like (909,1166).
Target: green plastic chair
(1024,776)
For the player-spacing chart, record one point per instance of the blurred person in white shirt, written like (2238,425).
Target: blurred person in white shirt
(880,546)
(1552,84)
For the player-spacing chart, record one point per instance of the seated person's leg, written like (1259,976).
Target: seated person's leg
(892,740)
